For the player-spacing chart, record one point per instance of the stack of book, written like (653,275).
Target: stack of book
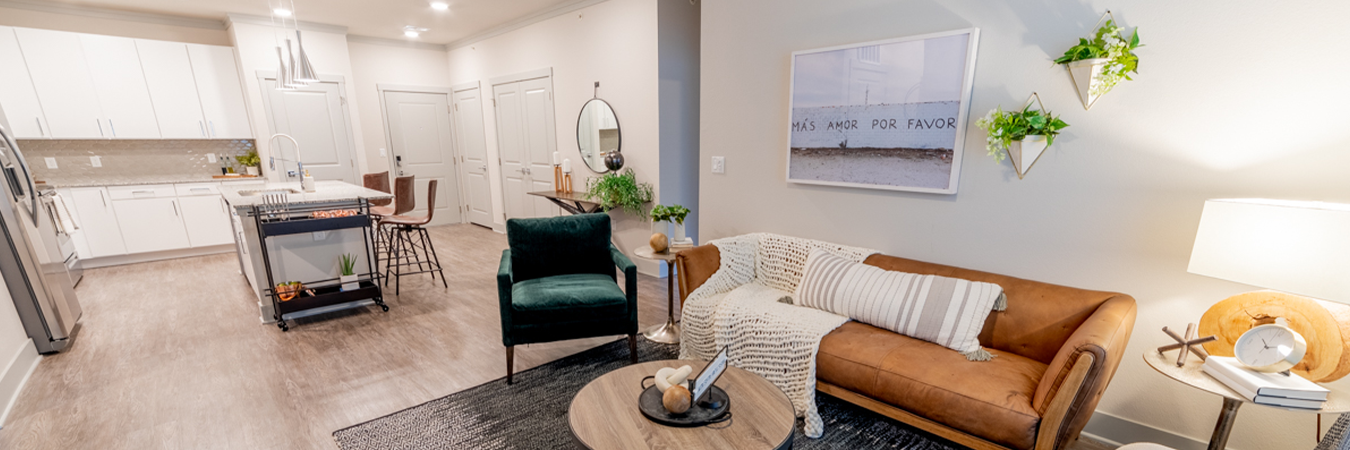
(686,244)
(1274,389)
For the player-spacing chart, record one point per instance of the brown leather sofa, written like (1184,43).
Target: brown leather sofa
(1057,347)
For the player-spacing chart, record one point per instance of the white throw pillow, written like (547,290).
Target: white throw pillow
(946,311)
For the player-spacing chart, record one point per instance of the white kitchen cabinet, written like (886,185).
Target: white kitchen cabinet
(221,94)
(17,95)
(207,220)
(151,224)
(173,89)
(120,84)
(98,223)
(61,78)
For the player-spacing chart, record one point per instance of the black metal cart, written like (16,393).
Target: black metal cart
(280,219)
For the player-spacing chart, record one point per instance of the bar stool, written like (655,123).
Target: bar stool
(404,200)
(378,182)
(410,244)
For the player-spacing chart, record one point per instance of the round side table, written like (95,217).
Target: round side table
(1191,375)
(669,332)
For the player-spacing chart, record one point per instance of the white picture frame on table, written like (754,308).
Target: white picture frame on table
(888,114)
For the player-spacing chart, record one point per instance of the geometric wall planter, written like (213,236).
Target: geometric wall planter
(1025,152)
(1086,75)
(1101,60)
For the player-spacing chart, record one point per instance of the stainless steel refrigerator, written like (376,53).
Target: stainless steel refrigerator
(34,267)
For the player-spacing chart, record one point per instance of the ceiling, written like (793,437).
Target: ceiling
(377,18)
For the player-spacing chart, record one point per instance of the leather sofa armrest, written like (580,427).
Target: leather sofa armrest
(1103,336)
(694,266)
(504,295)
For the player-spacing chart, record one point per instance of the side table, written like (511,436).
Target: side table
(668,333)
(1191,375)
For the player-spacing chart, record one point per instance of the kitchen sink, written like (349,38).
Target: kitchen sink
(262,192)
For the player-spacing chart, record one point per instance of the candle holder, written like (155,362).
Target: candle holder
(557,178)
(567,183)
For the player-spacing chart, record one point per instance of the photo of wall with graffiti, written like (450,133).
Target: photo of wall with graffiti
(886,115)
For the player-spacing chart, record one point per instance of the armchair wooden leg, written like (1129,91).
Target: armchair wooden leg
(510,362)
(632,348)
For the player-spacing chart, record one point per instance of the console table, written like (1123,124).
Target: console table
(574,202)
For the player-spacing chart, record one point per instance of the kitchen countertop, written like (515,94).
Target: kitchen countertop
(174,179)
(324,191)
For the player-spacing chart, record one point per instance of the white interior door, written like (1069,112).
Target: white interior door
(526,140)
(420,142)
(120,83)
(472,143)
(314,116)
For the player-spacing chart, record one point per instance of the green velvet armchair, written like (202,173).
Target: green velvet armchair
(557,281)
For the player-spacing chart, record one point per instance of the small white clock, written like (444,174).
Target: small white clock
(1270,348)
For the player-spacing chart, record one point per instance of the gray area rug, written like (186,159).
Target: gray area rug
(532,413)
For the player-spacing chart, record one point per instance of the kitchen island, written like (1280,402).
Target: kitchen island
(284,234)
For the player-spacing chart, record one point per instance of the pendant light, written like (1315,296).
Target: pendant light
(283,74)
(304,71)
(293,67)
(290,73)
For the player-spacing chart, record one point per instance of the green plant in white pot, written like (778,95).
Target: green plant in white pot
(1022,135)
(675,215)
(1100,62)
(348,267)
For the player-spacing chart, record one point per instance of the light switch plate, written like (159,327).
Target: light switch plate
(51,162)
(382,153)
(210,157)
(719,164)
(96,161)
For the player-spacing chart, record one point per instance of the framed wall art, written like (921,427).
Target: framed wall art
(887,114)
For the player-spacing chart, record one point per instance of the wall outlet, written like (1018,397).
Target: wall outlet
(320,235)
(96,161)
(719,164)
(210,157)
(382,153)
(51,162)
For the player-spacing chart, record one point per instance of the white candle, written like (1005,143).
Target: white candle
(567,166)
(555,159)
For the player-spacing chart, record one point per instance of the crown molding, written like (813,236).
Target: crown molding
(523,22)
(233,18)
(395,43)
(112,14)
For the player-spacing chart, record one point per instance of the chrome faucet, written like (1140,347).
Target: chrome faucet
(299,166)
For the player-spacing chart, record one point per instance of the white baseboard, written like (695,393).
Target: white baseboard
(1116,431)
(16,373)
(118,260)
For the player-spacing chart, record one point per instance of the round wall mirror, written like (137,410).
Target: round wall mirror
(597,134)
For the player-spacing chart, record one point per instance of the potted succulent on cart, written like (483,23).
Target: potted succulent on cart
(620,191)
(250,161)
(348,266)
(673,214)
(1098,63)
(1022,135)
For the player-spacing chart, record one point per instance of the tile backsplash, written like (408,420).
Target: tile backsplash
(130,161)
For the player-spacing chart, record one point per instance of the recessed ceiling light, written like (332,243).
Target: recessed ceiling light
(282,12)
(412,32)
(440,6)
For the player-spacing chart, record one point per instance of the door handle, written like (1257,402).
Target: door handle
(202,125)
(175,206)
(113,128)
(100,127)
(398,160)
(101,197)
(41,132)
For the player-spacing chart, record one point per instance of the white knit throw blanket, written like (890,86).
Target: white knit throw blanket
(738,307)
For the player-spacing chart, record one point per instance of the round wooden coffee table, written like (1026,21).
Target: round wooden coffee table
(604,415)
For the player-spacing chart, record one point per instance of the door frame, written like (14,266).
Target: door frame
(264,75)
(455,153)
(454,125)
(493,82)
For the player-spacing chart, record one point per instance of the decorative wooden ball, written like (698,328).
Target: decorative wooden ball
(677,399)
(660,243)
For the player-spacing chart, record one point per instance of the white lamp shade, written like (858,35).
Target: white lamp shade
(1292,246)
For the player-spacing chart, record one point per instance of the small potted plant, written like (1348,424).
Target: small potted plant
(1096,65)
(348,266)
(673,214)
(620,191)
(250,161)
(1023,135)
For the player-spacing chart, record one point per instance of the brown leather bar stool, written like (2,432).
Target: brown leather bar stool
(410,244)
(378,182)
(405,199)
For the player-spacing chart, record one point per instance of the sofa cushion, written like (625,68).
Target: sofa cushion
(988,399)
(567,298)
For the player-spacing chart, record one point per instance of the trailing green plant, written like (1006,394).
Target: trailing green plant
(1004,127)
(1109,43)
(673,213)
(620,191)
(348,264)
(249,159)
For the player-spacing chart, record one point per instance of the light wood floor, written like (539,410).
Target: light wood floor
(172,356)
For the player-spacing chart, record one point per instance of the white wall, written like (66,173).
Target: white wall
(374,64)
(613,42)
(18,356)
(1234,99)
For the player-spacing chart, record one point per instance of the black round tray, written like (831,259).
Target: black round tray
(650,405)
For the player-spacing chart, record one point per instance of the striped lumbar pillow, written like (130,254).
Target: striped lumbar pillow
(946,311)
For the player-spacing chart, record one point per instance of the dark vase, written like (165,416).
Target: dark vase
(614,160)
